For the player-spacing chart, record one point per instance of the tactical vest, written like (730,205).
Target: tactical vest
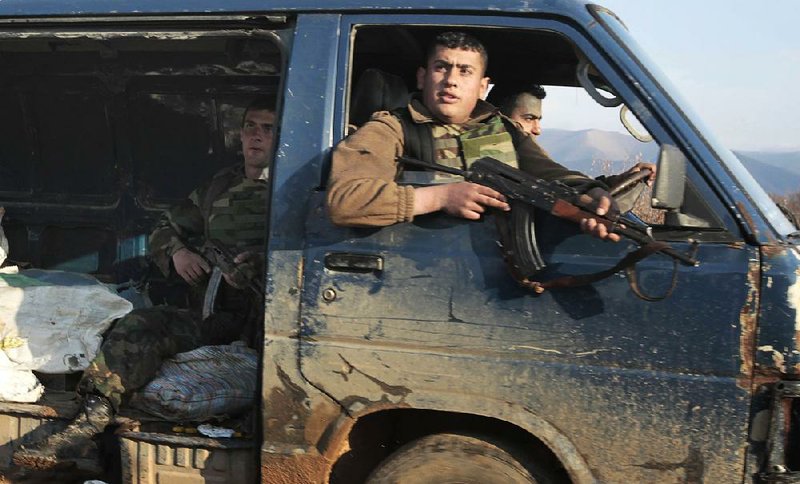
(459,147)
(235,210)
(454,145)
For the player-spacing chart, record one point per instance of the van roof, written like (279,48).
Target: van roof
(18,8)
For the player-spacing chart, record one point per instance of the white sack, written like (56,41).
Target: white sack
(18,385)
(52,321)
(3,240)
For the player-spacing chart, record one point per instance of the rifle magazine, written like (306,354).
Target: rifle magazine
(517,234)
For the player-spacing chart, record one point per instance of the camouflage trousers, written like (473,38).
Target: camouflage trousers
(139,342)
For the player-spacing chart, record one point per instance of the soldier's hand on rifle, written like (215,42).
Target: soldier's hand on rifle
(601,203)
(642,166)
(248,264)
(192,267)
(462,199)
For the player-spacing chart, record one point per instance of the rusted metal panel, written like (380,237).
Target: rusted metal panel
(747,217)
(296,416)
(639,392)
(151,458)
(748,321)
(629,429)
(779,319)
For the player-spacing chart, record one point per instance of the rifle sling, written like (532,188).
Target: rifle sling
(417,138)
(628,263)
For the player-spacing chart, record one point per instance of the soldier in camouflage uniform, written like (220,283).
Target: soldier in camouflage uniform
(363,188)
(231,209)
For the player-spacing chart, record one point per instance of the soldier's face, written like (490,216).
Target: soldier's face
(452,83)
(528,112)
(257,135)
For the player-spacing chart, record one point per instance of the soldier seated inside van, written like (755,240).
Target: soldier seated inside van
(213,242)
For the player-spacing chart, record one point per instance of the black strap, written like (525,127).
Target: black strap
(628,263)
(417,137)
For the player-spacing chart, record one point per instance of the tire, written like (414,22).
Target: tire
(452,458)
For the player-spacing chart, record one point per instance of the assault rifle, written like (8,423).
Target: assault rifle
(524,191)
(221,259)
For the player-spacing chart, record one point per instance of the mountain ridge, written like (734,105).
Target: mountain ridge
(597,152)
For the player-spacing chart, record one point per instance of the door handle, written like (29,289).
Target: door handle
(349,262)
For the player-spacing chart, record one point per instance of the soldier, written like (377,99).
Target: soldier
(525,107)
(231,209)
(362,189)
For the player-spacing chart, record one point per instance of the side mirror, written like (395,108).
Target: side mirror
(671,179)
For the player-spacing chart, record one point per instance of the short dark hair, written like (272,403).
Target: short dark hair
(457,40)
(535,90)
(261,103)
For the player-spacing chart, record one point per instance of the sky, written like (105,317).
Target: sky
(736,62)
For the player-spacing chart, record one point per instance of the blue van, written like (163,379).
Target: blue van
(405,354)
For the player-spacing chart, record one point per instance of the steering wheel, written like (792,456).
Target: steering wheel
(629,181)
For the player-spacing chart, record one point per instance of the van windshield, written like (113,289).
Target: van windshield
(753,189)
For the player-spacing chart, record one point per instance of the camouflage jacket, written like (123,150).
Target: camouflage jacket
(230,208)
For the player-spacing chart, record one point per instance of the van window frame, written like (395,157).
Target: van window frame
(753,191)
(643,108)
(265,28)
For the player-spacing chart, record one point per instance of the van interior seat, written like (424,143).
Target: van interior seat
(376,90)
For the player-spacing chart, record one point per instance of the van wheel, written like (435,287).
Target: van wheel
(453,458)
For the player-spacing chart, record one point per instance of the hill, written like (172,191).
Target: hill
(778,175)
(597,152)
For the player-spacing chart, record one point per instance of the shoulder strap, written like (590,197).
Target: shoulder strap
(418,139)
(627,263)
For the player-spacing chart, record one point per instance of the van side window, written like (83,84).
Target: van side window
(578,120)
(128,125)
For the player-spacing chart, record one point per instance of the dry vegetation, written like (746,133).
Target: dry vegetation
(790,204)
(641,208)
